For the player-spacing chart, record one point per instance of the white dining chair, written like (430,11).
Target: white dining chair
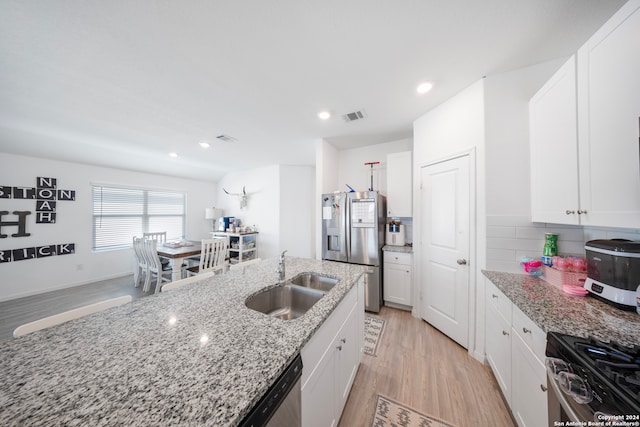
(65,316)
(243,265)
(212,257)
(161,238)
(182,282)
(157,270)
(142,267)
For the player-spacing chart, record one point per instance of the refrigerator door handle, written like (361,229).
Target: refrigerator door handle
(347,225)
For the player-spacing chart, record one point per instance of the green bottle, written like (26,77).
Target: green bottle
(550,248)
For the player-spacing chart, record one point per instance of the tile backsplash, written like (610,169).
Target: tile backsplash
(510,238)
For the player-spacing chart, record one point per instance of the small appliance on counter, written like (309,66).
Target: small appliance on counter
(613,271)
(395,235)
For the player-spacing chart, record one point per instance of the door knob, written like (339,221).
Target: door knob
(462,261)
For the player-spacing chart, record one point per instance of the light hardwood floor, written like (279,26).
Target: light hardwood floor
(419,366)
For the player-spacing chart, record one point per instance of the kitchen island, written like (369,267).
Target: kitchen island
(193,356)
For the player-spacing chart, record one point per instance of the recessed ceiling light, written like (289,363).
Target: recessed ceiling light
(324,115)
(424,87)
(173,154)
(204,144)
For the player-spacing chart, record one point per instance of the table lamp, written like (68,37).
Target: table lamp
(212,214)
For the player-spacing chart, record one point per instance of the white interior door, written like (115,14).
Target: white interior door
(444,281)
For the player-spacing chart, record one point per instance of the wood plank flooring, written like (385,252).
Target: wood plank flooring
(16,312)
(419,366)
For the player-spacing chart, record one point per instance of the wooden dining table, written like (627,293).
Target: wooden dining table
(177,255)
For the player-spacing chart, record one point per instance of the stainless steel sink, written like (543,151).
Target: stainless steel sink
(285,302)
(314,281)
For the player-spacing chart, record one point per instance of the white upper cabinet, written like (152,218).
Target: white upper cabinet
(399,184)
(553,136)
(585,130)
(609,121)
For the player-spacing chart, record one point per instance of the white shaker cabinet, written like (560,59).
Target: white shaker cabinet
(609,121)
(399,184)
(397,273)
(553,137)
(498,337)
(515,348)
(584,131)
(330,361)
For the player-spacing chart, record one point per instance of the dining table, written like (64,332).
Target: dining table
(177,255)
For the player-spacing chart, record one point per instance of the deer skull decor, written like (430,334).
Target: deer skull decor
(242,197)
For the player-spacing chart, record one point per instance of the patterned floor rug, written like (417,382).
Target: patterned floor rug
(373,328)
(390,413)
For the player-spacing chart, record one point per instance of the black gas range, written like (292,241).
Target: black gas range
(591,380)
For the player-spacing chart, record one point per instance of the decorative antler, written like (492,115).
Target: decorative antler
(242,196)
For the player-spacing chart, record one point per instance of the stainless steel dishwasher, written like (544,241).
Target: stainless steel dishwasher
(281,405)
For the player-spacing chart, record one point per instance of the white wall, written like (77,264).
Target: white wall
(297,211)
(455,126)
(352,169)
(263,208)
(507,98)
(74,223)
(280,205)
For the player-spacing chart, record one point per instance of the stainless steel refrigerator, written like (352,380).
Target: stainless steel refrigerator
(353,232)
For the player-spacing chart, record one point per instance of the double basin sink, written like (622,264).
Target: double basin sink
(293,298)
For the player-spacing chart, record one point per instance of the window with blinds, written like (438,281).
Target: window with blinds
(121,213)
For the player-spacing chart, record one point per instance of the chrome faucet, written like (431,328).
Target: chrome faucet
(280,268)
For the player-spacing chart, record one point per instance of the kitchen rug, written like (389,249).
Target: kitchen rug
(390,413)
(373,328)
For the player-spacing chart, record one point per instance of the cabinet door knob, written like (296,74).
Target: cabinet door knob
(343,340)
(505,333)
(526,331)
(568,212)
(461,261)
(339,348)
(543,388)
(494,296)
(580,212)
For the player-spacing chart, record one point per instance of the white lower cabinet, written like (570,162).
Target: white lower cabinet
(515,351)
(529,385)
(330,362)
(397,278)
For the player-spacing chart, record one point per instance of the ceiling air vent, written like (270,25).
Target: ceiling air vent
(356,115)
(226,138)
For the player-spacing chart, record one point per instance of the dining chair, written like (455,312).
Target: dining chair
(65,316)
(182,282)
(142,268)
(161,238)
(157,270)
(243,265)
(212,257)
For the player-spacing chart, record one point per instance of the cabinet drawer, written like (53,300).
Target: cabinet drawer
(498,300)
(397,258)
(530,333)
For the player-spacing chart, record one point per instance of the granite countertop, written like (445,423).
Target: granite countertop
(145,363)
(391,248)
(556,311)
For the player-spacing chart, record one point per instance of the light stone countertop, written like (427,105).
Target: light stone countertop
(554,310)
(131,366)
(404,249)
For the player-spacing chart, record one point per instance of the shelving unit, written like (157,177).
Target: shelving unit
(242,246)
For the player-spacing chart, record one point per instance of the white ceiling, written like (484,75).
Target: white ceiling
(122,83)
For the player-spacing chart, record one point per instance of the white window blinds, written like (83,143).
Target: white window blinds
(121,213)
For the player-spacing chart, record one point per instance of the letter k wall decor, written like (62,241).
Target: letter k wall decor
(45,195)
